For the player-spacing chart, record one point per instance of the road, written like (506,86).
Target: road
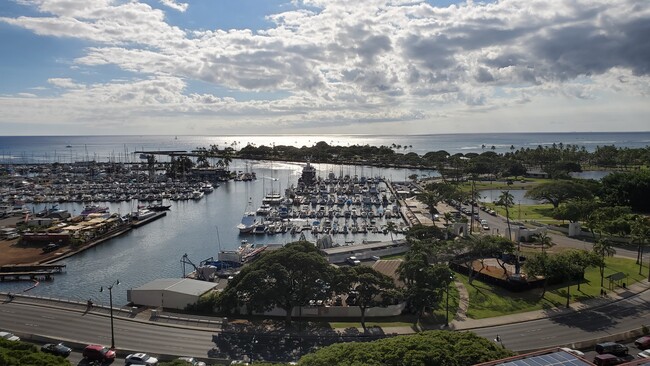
(498,225)
(24,319)
(614,318)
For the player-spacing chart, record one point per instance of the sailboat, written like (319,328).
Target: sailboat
(248,221)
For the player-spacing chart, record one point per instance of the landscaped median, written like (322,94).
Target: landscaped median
(486,301)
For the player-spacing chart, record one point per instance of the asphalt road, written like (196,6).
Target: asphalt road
(607,320)
(72,326)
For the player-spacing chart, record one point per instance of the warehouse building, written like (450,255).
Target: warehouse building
(170,293)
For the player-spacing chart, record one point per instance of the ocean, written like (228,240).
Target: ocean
(29,149)
(200,228)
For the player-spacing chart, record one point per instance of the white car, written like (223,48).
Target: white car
(8,336)
(644,354)
(140,359)
(192,361)
(572,351)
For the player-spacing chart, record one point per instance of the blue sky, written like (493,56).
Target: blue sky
(323,66)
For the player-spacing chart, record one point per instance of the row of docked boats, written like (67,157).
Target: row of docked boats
(107,192)
(334,205)
(327,226)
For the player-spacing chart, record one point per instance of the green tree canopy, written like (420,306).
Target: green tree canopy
(370,286)
(431,348)
(628,189)
(21,353)
(283,278)
(559,191)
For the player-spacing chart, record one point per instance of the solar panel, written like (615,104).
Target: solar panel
(559,358)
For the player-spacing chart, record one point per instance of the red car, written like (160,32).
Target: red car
(95,352)
(643,342)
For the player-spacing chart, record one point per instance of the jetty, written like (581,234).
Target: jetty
(29,272)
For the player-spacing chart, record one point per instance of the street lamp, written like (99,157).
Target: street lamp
(110,296)
(451,278)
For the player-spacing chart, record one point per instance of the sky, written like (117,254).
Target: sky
(217,67)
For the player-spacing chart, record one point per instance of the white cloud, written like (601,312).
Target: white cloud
(65,83)
(336,63)
(182,7)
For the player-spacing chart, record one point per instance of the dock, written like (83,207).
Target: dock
(29,272)
(158,215)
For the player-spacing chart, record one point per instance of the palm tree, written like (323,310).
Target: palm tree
(604,248)
(227,159)
(390,226)
(507,200)
(640,232)
(431,199)
(545,240)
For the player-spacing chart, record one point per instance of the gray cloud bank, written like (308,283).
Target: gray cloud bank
(351,61)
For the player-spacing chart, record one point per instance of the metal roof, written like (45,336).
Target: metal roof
(180,285)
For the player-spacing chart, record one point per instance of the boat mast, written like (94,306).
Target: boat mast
(218,239)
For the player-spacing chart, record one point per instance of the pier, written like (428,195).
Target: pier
(29,272)
(138,223)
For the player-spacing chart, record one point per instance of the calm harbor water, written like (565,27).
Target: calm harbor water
(197,228)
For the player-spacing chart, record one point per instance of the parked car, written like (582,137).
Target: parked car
(95,352)
(608,359)
(51,247)
(8,336)
(644,354)
(485,227)
(572,351)
(643,342)
(192,361)
(140,359)
(59,349)
(353,261)
(613,348)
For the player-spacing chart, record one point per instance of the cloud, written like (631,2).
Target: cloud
(182,7)
(327,61)
(65,83)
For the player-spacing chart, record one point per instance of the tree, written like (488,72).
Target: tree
(544,240)
(432,348)
(506,199)
(628,189)
(283,278)
(370,286)
(560,191)
(583,259)
(390,227)
(575,211)
(479,247)
(22,353)
(603,248)
(640,231)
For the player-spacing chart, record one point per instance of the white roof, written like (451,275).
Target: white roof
(180,285)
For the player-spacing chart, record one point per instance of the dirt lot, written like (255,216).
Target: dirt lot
(13,253)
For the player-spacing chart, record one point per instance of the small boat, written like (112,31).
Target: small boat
(158,207)
(247,224)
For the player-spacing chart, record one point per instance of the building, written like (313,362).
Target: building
(170,293)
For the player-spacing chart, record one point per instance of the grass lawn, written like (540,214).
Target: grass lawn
(542,212)
(503,185)
(429,320)
(487,301)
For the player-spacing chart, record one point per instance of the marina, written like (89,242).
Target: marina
(190,226)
